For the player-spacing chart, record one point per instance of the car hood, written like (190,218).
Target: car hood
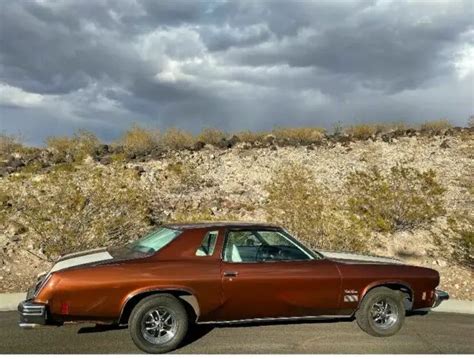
(359,258)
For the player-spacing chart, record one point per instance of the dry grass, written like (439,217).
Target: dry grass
(301,135)
(251,137)
(8,145)
(438,125)
(175,139)
(73,149)
(362,132)
(365,131)
(139,141)
(212,136)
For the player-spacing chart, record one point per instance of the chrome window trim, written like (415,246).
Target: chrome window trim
(282,231)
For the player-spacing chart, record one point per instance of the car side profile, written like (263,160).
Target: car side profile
(193,273)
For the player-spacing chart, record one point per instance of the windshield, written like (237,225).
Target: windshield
(315,254)
(154,241)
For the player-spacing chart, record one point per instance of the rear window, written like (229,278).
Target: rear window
(154,241)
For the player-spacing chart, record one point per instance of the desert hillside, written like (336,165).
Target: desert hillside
(400,193)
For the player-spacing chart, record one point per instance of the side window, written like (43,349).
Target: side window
(208,244)
(261,246)
(241,246)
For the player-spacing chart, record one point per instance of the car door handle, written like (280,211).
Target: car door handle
(230,274)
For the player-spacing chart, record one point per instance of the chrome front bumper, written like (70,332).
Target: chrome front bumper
(32,314)
(440,296)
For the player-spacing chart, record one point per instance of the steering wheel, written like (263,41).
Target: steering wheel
(267,253)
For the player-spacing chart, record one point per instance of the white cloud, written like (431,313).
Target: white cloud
(14,96)
(464,61)
(233,64)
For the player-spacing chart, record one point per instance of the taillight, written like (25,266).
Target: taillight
(64,308)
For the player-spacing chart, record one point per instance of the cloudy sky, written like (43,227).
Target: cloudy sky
(104,64)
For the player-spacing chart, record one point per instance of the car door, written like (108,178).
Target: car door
(266,274)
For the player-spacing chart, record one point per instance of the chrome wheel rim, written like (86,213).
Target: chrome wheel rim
(384,313)
(159,325)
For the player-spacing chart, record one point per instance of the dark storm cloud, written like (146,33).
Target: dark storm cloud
(233,64)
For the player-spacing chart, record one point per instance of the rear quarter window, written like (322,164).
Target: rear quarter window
(208,244)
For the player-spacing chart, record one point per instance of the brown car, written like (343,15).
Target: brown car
(182,274)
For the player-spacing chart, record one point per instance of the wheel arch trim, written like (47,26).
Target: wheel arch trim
(183,293)
(387,283)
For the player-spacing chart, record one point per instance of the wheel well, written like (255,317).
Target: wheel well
(405,290)
(187,299)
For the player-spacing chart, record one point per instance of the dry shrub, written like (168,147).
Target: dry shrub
(363,131)
(212,136)
(62,148)
(297,203)
(8,145)
(461,225)
(69,149)
(299,135)
(465,240)
(74,211)
(435,126)
(251,137)
(175,139)
(405,198)
(139,141)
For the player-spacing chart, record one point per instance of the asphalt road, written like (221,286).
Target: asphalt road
(431,333)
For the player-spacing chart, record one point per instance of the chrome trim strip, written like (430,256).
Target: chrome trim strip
(32,309)
(259,320)
(28,325)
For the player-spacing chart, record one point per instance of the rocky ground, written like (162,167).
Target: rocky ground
(230,183)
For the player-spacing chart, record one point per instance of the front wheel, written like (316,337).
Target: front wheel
(381,312)
(158,323)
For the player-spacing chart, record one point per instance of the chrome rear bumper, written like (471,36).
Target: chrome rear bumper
(440,296)
(32,314)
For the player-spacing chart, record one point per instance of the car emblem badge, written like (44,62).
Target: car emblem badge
(351,295)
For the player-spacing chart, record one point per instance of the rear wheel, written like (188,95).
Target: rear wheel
(381,312)
(158,323)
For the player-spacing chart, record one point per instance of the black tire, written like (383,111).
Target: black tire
(372,323)
(141,336)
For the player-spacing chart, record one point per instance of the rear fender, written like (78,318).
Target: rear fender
(185,294)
